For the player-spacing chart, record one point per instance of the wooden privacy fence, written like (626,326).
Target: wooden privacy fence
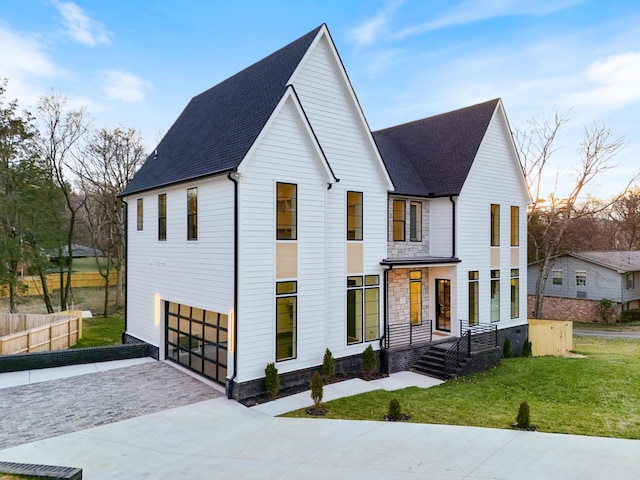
(30,286)
(550,337)
(43,333)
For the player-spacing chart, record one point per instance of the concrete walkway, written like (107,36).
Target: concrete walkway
(221,439)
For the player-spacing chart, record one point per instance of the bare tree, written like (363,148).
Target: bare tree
(109,162)
(550,218)
(625,213)
(61,134)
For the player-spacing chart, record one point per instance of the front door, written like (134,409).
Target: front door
(443,304)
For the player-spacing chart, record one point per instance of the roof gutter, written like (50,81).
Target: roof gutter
(232,176)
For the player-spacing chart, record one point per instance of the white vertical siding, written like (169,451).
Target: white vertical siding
(495,178)
(197,273)
(440,227)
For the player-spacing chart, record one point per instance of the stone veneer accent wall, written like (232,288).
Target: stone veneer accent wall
(398,290)
(408,248)
(572,309)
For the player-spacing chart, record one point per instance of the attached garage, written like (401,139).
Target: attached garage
(197,339)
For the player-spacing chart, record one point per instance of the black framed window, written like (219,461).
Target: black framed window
(399,215)
(140,214)
(286,320)
(415,297)
(287,211)
(162,216)
(363,308)
(495,295)
(354,215)
(515,293)
(495,225)
(474,297)
(515,226)
(415,221)
(192,214)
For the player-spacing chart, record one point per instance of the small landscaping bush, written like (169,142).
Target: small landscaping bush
(606,311)
(506,348)
(527,348)
(368,361)
(523,420)
(317,387)
(394,413)
(328,366)
(272,380)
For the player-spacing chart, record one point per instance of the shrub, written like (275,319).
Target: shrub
(606,310)
(632,315)
(272,380)
(393,412)
(368,361)
(316,389)
(527,348)
(523,420)
(506,348)
(328,365)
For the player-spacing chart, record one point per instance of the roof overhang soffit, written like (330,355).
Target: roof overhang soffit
(291,97)
(324,35)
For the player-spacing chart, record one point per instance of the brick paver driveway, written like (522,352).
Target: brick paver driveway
(48,409)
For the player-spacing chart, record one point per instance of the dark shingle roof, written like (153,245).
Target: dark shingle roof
(433,156)
(217,128)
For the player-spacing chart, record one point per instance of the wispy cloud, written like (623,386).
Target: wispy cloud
(370,31)
(80,27)
(471,11)
(614,82)
(24,62)
(123,86)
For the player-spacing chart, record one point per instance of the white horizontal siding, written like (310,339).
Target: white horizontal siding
(495,178)
(197,273)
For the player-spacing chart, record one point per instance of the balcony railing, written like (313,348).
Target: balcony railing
(406,334)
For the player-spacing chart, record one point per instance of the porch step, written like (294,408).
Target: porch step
(432,362)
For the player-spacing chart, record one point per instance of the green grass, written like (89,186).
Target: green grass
(87,264)
(598,395)
(614,327)
(99,331)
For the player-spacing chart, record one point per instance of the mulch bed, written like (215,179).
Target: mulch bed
(285,392)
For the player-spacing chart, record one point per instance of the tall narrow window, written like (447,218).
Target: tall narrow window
(398,220)
(140,213)
(287,211)
(192,214)
(363,308)
(515,226)
(415,297)
(415,221)
(515,293)
(286,320)
(474,298)
(630,281)
(495,295)
(162,216)
(495,225)
(354,215)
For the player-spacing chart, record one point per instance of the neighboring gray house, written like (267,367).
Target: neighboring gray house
(593,276)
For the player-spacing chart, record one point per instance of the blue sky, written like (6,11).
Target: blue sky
(138,62)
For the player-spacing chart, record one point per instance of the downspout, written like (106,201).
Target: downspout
(453,226)
(385,319)
(126,263)
(230,176)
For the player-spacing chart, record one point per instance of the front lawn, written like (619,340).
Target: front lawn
(100,331)
(597,395)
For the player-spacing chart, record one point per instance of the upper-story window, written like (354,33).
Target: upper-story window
(495,225)
(398,220)
(354,215)
(415,221)
(581,278)
(515,226)
(287,211)
(192,214)
(630,281)
(140,216)
(162,216)
(557,277)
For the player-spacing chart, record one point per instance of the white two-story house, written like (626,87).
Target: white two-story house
(261,229)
